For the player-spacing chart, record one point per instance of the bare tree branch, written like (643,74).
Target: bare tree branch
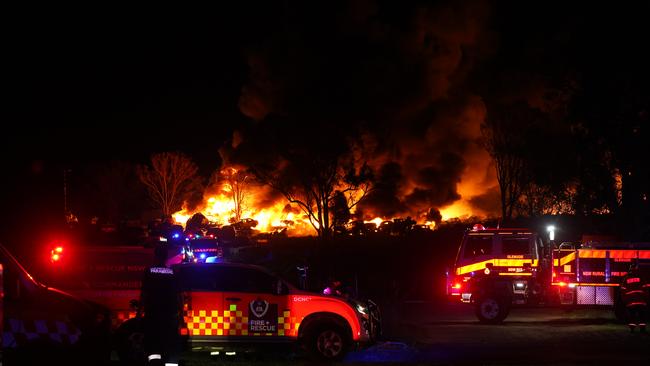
(168,179)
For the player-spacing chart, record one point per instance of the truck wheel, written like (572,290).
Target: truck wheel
(492,309)
(327,343)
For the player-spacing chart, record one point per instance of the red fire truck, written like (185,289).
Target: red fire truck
(497,269)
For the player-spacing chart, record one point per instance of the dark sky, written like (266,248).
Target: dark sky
(87,85)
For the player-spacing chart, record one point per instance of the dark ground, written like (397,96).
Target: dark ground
(427,333)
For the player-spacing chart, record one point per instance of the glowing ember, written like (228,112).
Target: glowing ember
(377,221)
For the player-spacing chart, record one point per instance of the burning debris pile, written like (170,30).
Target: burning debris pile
(230,202)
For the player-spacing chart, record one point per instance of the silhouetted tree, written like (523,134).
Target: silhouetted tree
(235,182)
(170,179)
(313,175)
(340,209)
(504,141)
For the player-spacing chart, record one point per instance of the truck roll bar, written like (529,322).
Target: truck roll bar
(567,245)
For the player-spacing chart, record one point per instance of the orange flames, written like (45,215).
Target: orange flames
(277,215)
(219,209)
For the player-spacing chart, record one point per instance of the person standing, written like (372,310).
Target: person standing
(161,305)
(635,298)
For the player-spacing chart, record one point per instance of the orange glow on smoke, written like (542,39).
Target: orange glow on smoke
(458,210)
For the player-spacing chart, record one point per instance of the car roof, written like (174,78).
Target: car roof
(502,230)
(221,264)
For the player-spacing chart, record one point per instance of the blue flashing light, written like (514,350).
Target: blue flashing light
(175,236)
(187,239)
(202,255)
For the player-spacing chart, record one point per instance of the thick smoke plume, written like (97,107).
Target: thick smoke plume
(396,83)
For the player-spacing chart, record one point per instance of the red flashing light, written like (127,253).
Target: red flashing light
(457,285)
(478,227)
(56,254)
(562,284)
(211,236)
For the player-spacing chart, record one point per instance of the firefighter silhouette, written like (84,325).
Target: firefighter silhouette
(635,297)
(161,305)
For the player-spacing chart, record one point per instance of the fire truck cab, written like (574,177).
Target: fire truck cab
(226,303)
(497,269)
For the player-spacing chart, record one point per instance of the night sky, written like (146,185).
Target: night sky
(91,85)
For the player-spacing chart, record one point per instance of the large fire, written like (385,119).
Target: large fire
(277,215)
(219,209)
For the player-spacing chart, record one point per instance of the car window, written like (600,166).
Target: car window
(202,278)
(249,280)
(516,245)
(478,245)
(228,279)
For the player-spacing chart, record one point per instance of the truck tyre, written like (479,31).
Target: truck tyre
(492,309)
(327,342)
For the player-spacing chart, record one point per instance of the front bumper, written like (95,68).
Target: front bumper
(370,324)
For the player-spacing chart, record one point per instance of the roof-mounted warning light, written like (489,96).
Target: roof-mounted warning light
(56,253)
(478,227)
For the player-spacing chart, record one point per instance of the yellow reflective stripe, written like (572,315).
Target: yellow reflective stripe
(514,262)
(591,253)
(628,254)
(472,267)
(617,253)
(497,263)
(567,258)
(515,274)
(585,284)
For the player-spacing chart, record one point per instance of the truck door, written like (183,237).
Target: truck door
(202,302)
(254,303)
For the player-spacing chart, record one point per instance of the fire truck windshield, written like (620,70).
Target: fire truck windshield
(478,245)
(516,245)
